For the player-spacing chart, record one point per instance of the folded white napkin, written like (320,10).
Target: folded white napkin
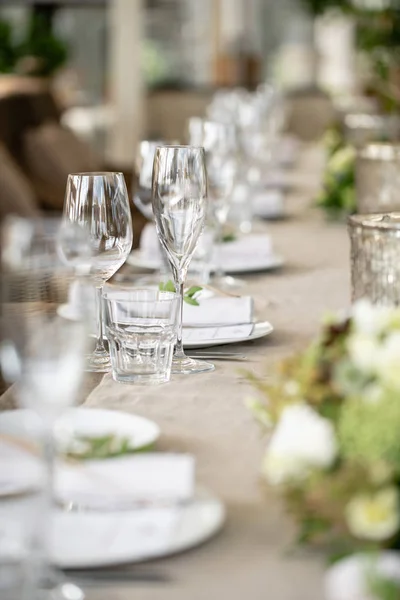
(20,471)
(128,479)
(267,203)
(218,311)
(202,335)
(149,244)
(246,252)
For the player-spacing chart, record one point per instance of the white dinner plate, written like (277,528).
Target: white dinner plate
(260,329)
(97,539)
(84,422)
(258,263)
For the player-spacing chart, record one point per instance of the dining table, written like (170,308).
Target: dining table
(206,415)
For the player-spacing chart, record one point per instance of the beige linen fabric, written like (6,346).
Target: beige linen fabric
(16,194)
(51,153)
(205,415)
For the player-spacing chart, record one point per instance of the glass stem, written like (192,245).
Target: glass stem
(100,348)
(179,353)
(39,570)
(219,271)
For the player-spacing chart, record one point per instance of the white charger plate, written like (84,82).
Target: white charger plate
(260,330)
(264,263)
(87,544)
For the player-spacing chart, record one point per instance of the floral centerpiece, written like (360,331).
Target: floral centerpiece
(333,418)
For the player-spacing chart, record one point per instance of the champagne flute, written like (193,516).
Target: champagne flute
(43,354)
(99,203)
(180,208)
(219,142)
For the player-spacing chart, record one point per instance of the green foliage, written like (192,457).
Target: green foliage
(107,446)
(383,588)
(338,197)
(189,296)
(318,7)
(8,50)
(40,43)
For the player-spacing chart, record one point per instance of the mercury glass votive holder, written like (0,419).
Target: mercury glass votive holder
(375,257)
(361,128)
(378,178)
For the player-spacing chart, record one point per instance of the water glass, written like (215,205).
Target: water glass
(375,257)
(141,330)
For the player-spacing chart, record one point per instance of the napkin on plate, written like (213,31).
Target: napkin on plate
(245,252)
(126,480)
(218,311)
(268,203)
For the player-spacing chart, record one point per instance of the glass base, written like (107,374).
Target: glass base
(190,366)
(98,362)
(143,379)
(226,282)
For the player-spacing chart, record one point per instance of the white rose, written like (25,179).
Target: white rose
(388,361)
(370,319)
(302,441)
(363,351)
(374,516)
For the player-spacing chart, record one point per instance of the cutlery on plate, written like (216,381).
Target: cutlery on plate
(219,355)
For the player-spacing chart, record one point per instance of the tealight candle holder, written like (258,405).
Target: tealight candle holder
(375,257)
(378,178)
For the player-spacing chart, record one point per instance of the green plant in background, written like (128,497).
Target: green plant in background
(319,7)
(48,51)
(337,196)
(8,50)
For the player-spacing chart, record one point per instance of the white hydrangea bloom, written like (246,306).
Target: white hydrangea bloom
(370,319)
(302,441)
(388,361)
(363,351)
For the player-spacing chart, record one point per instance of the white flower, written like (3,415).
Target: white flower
(375,516)
(363,351)
(342,159)
(302,441)
(370,319)
(291,388)
(388,363)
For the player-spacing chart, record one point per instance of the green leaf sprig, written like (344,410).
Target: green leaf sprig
(189,296)
(106,446)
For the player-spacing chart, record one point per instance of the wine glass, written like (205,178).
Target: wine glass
(99,203)
(180,207)
(43,354)
(219,142)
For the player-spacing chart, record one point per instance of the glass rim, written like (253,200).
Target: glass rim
(381,151)
(181,147)
(95,174)
(377,221)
